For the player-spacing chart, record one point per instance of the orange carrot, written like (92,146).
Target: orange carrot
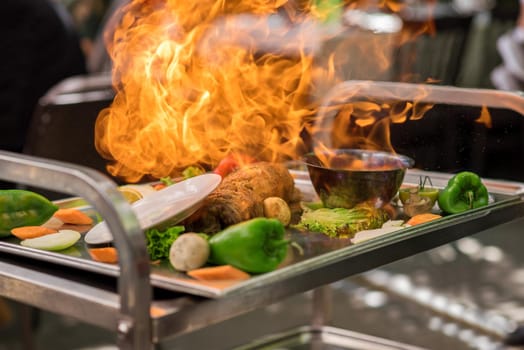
(218,273)
(25,232)
(422,218)
(73,216)
(106,255)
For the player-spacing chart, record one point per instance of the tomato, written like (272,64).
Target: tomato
(231,163)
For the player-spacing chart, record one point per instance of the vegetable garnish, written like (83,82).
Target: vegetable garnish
(388,227)
(254,246)
(73,216)
(189,251)
(422,218)
(55,241)
(342,222)
(167,181)
(231,163)
(420,199)
(26,232)
(135,192)
(464,191)
(277,208)
(192,171)
(23,208)
(159,242)
(219,273)
(106,254)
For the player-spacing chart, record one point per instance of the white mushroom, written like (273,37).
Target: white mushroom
(189,251)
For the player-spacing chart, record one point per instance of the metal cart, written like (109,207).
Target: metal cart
(121,299)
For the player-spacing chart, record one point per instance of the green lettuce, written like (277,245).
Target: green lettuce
(341,222)
(159,241)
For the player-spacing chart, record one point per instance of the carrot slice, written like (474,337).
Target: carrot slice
(106,255)
(26,232)
(73,216)
(422,218)
(156,311)
(219,273)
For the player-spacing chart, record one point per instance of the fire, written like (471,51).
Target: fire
(353,117)
(198,81)
(485,118)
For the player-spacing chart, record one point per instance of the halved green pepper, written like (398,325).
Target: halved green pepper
(23,208)
(464,191)
(254,246)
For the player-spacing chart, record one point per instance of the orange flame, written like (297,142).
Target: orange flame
(197,81)
(485,118)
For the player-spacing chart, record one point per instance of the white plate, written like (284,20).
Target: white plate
(165,207)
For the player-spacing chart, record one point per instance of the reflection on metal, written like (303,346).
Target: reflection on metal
(324,338)
(478,328)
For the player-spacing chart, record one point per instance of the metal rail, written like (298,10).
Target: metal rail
(356,90)
(426,93)
(134,323)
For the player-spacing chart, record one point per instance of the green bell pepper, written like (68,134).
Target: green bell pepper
(464,191)
(23,208)
(254,246)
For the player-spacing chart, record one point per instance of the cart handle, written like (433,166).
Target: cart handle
(134,327)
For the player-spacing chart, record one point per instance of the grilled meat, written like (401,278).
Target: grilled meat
(241,194)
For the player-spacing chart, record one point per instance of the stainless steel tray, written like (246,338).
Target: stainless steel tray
(320,253)
(324,338)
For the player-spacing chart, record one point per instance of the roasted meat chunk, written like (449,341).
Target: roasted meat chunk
(241,194)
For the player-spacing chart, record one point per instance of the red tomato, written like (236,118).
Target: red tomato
(231,163)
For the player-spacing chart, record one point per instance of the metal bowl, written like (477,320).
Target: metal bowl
(353,176)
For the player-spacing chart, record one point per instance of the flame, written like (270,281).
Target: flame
(198,81)
(485,118)
(364,125)
(353,119)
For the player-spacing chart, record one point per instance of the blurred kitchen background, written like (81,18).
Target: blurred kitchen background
(465,36)
(464,295)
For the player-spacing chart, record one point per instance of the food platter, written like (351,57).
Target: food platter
(318,253)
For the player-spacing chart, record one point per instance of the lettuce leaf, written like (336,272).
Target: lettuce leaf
(159,241)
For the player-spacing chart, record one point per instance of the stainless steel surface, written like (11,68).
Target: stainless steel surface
(319,251)
(181,313)
(455,273)
(326,338)
(322,307)
(133,283)
(80,89)
(61,295)
(427,93)
(446,307)
(464,295)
